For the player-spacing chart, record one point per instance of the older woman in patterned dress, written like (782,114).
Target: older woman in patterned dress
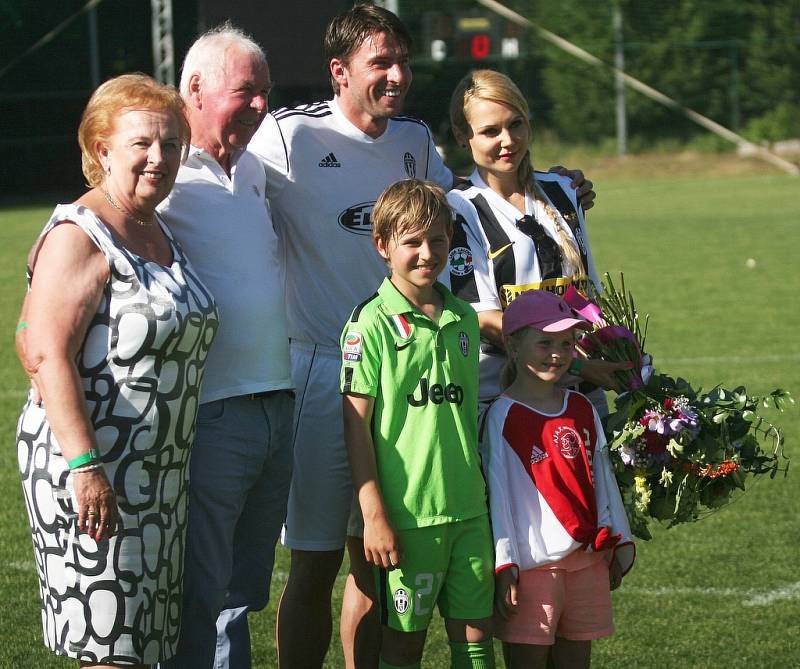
(115,330)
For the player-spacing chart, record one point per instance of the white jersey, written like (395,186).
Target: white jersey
(492,261)
(505,259)
(324,176)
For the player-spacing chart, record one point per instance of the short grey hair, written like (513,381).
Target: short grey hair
(208,55)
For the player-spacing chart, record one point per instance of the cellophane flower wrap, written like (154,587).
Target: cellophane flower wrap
(678,453)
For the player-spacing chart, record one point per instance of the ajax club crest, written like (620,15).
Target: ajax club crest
(568,442)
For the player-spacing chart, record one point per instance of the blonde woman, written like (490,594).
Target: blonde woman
(517,229)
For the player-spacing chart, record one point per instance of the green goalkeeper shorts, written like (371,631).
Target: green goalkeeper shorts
(450,566)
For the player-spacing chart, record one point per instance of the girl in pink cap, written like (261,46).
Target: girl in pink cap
(562,538)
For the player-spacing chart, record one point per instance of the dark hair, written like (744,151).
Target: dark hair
(347,32)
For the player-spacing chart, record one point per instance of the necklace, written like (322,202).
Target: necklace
(124,211)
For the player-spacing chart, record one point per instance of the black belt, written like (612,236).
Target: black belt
(267,393)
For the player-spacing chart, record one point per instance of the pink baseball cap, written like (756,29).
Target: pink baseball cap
(542,310)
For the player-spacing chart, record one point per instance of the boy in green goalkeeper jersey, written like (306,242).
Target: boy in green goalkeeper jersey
(409,382)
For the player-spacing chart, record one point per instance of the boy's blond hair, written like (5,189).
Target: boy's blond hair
(411,204)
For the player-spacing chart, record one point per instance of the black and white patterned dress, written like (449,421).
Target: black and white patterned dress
(141,365)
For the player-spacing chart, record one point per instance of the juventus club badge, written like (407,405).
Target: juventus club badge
(463,341)
(400,600)
(410,164)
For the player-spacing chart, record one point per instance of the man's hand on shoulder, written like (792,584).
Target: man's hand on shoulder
(584,187)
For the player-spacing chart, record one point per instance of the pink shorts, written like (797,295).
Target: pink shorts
(573,605)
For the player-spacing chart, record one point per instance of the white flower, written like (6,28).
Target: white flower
(627,453)
(674,448)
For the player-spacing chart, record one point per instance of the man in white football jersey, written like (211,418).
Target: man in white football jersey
(326,165)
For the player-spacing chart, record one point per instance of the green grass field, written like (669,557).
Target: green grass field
(724,592)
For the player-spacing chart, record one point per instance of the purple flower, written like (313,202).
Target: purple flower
(677,425)
(654,421)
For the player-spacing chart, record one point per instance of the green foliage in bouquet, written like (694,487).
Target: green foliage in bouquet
(678,453)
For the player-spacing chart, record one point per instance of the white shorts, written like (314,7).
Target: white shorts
(321,496)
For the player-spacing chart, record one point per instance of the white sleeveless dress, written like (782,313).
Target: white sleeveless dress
(141,366)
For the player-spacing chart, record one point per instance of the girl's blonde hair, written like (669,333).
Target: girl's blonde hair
(496,87)
(509,373)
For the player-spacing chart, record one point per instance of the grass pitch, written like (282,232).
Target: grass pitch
(724,592)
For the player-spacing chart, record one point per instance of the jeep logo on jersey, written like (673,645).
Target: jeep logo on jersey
(410,164)
(400,600)
(437,393)
(358,218)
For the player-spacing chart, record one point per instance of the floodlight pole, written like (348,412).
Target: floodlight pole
(163,49)
(392,5)
(94,48)
(619,81)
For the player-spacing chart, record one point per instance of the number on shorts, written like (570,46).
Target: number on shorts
(423,586)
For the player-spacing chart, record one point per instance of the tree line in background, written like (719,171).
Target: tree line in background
(735,61)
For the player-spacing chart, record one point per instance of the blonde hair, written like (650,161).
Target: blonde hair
(129,91)
(509,372)
(410,204)
(512,343)
(497,87)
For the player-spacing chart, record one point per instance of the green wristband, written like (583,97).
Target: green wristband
(21,326)
(576,366)
(84,458)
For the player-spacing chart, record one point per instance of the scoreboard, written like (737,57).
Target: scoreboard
(470,36)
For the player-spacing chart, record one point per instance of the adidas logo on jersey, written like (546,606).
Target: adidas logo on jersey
(329,161)
(537,455)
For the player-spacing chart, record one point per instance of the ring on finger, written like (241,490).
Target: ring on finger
(91,512)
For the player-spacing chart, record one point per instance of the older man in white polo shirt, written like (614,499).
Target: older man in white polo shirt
(241,460)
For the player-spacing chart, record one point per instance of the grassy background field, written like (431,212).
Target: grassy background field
(724,592)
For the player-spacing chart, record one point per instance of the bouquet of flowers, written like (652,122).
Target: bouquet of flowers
(678,453)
